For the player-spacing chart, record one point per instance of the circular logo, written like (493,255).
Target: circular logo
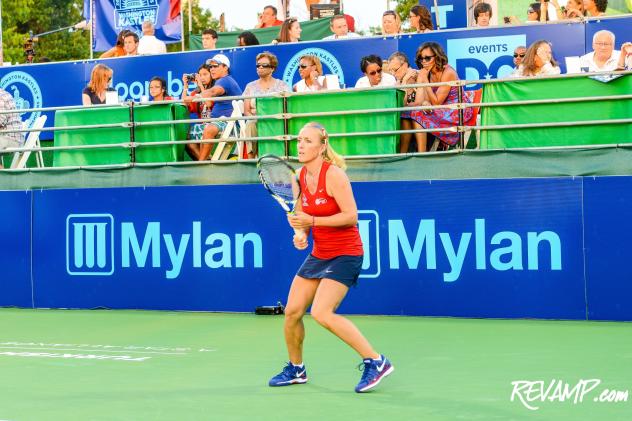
(25,91)
(327,59)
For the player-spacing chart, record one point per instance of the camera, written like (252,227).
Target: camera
(507,19)
(190,76)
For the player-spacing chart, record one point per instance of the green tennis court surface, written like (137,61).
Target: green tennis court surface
(138,365)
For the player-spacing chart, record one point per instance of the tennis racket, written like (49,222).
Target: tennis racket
(281,181)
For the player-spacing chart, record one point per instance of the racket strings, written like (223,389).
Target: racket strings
(279,179)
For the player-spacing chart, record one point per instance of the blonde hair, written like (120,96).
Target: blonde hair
(100,78)
(315,61)
(330,155)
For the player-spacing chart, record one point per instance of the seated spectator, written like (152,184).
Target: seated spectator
(399,67)
(224,85)
(604,57)
(574,9)
(158,89)
(433,67)
(209,39)
(247,38)
(518,58)
(311,71)
(595,8)
(482,14)
(338,25)
(267,63)
(420,19)
(130,44)
(9,121)
(290,32)
(149,44)
(99,83)
(625,57)
(203,81)
(534,13)
(117,50)
(391,23)
(268,18)
(371,66)
(538,61)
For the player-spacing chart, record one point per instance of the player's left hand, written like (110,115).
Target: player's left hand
(300,220)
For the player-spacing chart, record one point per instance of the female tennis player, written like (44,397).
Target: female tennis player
(327,208)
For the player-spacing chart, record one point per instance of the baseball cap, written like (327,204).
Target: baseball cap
(219,58)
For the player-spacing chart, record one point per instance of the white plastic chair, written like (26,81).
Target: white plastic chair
(223,149)
(32,141)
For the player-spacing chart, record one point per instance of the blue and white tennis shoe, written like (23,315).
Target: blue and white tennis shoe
(373,372)
(290,375)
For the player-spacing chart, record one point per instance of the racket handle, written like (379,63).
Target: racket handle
(299,233)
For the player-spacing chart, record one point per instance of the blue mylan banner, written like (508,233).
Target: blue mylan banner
(480,248)
(452,13)
(112,16)
(15,259)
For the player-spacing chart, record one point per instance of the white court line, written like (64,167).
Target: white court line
(95,350)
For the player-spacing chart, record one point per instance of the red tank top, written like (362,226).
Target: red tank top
(329,242)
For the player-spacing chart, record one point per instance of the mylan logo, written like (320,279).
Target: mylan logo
(90,244)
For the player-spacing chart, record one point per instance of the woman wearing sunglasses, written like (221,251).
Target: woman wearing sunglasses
(433,68)
(311,71)
(371,66)
(100,79)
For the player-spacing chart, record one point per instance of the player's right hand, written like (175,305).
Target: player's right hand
(300,242)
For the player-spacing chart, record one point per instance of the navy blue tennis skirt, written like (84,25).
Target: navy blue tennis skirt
(344,269)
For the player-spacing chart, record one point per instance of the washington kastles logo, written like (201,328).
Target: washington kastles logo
(134,12)
(328,60)
(26,93)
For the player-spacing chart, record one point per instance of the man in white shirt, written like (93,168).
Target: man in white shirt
(339,27)
(604,57)
(149,44)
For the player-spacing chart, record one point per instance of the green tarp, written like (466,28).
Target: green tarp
(335,101)
(573,135)
(143,134)
(312,30)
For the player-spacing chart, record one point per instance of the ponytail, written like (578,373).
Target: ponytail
(330,155)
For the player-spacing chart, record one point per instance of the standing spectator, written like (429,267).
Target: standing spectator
(538,61)
(433,68)
(604,57)
(482,14)
(130,44)
(625,57)
(311,71)
(224,85)
(420,19)
(158,89)
(247,38)
(399,66)
(595,8)
(209,39)
(371,66)
(267,63)
(338,25)
(518,57)
(391,23)
(117,50)
(9,121)
(99,83)
(534,13)
(290,32)
(268,18)
(149,44)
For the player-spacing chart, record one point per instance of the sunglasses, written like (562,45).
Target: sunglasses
(264,66)
(518,55)
(426,58)
(305,66)
(213,66)
(530,10)
(374,72)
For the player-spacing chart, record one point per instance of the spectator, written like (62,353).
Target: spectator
(117,50)
(625,57)
(224,85)
(482,14)
(209,39)
(338,25)
(518,58)
(130,44)
(399,67)
(538,61)
(158,89)
(391,23)
(420,19)
(99,83)
(203,81)
(595,8)
(290,32)
(9,121)
(534,13)
(267,63)
(574,9)
(268,18)
(247,38)
(433,67)
(371,66)
(604,57)
(311,72)
(149,44)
